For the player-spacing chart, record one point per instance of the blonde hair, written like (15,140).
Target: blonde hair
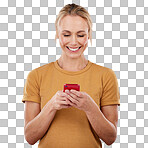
(74,10)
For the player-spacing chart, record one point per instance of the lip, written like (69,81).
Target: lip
(74,47)
(74,51)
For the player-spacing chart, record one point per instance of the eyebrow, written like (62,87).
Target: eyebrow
(69,31)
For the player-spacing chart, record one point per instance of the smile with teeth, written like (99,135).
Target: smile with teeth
(73,49)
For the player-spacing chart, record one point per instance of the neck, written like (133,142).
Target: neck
(72,64)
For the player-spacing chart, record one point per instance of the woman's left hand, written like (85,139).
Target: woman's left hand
(80,100)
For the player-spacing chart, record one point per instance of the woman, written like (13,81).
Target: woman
(71,119)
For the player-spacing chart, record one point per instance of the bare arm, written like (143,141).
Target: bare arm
(104,123)
(37,122)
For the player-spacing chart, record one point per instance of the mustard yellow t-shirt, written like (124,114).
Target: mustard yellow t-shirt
(70,127)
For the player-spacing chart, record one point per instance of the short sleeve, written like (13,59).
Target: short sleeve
(31,89)
(110,93)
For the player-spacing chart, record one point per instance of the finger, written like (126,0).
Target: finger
(66,106)
(72,100)
(61,94)
(65,102)
(77,93)
(66,95)
(63,99)
(69,102)
(73,96)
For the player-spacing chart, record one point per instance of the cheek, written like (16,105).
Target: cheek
(84,41)
(63,41)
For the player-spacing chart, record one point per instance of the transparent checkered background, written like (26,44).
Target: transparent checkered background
(120,42)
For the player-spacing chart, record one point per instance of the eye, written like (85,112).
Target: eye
(81,35)
(78,35)
(66,35)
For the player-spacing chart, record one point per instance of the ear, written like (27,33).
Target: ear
(57,36)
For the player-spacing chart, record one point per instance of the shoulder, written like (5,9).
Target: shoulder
(104,73)
(42,70)
(103,70)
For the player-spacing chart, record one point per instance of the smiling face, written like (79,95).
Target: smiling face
(73,34)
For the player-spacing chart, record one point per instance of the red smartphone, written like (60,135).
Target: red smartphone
(71,86)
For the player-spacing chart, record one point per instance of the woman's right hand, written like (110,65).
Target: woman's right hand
(60,100)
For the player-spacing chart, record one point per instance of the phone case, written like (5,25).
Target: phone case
(71,86)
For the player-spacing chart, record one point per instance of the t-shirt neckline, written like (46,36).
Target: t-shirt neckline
(72,72)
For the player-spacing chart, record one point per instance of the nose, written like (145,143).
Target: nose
(73,39)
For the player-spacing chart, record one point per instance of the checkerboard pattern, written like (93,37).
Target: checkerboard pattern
(120,42)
